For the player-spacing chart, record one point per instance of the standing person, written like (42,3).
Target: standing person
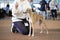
(53,8)
(7,9)
(43,4)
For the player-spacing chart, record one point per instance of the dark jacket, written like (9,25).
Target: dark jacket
(43,3)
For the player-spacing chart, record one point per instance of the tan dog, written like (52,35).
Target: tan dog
(36,17)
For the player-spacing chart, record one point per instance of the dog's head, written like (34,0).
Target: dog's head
(29,10)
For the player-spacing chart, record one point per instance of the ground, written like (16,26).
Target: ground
(53,27)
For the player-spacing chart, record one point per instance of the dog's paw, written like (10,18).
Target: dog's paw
(32,35)
(47,32)
(41,31)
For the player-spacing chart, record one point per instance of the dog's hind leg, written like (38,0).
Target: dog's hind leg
(45,26)
(40,19)
(41,25)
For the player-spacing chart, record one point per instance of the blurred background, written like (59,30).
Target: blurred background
(6,23)
(4,3)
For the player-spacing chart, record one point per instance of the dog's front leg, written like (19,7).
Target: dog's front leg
(30,29)
(33,29)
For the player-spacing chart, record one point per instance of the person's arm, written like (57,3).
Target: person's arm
(40,3)
(46,4)
(50,4)
(56,4)
(14,7)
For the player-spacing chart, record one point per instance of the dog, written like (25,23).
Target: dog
(36,17)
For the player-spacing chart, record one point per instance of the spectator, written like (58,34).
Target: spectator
(7,9)
(43,4)
(53,8)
